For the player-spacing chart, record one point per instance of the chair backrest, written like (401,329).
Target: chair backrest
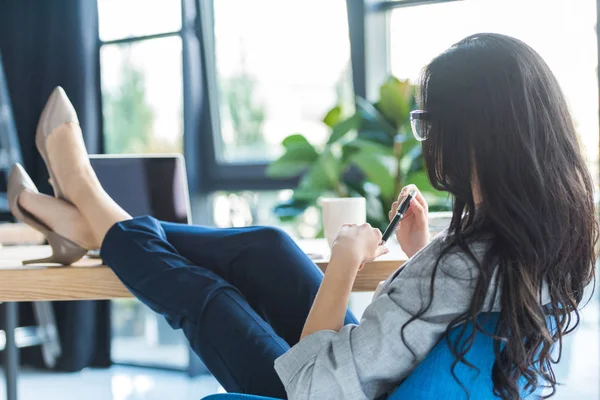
(432,379)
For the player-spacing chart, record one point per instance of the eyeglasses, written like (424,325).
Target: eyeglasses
(420,123)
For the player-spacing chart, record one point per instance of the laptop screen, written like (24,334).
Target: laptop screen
(146,185)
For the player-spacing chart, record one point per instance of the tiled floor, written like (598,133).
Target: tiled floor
(116,383)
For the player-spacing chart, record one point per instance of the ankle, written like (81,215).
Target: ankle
(83,187)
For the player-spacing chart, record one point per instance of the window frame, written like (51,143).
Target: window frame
(190,60)
(368,31)
(390,5)
(211,175)
(131,39)
(368,26)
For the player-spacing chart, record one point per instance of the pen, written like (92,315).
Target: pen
(402,208)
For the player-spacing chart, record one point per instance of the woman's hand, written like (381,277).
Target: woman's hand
(353,246)
(413,231)
(358,244)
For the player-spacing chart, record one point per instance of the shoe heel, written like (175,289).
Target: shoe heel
(64,251)
(49,260)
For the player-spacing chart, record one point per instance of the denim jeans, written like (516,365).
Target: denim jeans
(241,296)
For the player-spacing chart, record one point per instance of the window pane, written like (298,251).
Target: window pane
(280,66)
(563,32)
(119,19)
(238,209)
(142,96)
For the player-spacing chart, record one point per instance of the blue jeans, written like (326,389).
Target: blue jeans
(241,296)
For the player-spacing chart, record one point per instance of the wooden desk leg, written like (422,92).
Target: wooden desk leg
(11,352)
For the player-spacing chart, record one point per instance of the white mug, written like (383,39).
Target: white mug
(340,211)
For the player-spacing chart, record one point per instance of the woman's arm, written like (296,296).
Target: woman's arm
(366,361)
(329,309)
(354,246)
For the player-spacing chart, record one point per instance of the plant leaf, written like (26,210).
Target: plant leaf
(296,140)
(341,129)
(372,119)
(333,117)
(376,171)
(370,146)
(331,167)
(438,201)
(380,137)
(421,180)
(324,176)
(412,161)
(395,100)
(292,163)
(290,209)
(299,156)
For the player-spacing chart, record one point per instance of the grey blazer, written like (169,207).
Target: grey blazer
(368,360)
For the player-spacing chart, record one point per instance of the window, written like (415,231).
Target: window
(240,86)
(280,66)
(141,75)
(562,31)
(142,104)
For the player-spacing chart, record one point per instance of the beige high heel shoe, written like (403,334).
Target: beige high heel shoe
(64,251)
(58,111)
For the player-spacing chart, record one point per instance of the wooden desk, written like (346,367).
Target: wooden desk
(88,279)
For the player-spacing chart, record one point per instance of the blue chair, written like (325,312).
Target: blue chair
(432,379)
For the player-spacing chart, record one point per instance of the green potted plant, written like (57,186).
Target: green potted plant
(371,153)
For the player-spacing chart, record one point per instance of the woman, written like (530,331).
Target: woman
(497,135)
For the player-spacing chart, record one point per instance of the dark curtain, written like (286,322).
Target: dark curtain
(45,44)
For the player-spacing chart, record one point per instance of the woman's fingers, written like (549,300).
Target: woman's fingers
(404,192)
(417,209)
(418,194)
(381,250)
(378,234)
(393,210)
(421,200)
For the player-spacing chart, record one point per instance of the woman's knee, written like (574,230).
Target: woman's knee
(270,236)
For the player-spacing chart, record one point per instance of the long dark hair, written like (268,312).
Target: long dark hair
(499,118)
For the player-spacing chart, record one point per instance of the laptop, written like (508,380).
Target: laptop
(154,185)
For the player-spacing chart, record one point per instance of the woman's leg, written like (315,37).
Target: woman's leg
(71,166)
(60,216)
(236,344)
(138,251)
(296,279)
(275,276)
(277,279)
